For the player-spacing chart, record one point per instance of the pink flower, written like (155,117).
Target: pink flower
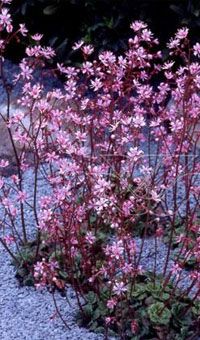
(21,196)
(182,33)
(4,163)
(39,51)
(196,49)
(90,238)
(138,121)
(107,58)
(127,268)
(176,269)
(37,37)
(96,84)
(127,207)
(61,68)
(134,154)
(9,239)
(5,17)
(26,71)
(115,251)
(51,156)
(6,202)
(119,288)
(78,45)
(168,65)
(146,35)
(137,25)
(155,196)
(87,68)
(87,49)
(23,30)
(111,303)
(109,320)
(173,43)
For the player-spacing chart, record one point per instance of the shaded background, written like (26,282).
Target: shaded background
(104,23)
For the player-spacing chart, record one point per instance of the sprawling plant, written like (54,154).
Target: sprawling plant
(118,149)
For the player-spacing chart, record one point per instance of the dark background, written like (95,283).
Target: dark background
(103,23)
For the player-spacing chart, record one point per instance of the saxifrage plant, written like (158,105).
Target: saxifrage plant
(114,150)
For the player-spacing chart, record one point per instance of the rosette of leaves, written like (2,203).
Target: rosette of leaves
(28,255)
(160,313)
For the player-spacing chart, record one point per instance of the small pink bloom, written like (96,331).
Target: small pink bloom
(96,84)
(21,196)
(196,49)
(182,33)
(23,30)
(90,238)
(5,17)
(37,37)
(176,269)
(107,58)
(119,288)
(9,239)
(134,154)
(78,45)
(137,25)
(111,303)
(87,49)
(4,163)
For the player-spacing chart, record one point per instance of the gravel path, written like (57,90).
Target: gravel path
(29,314)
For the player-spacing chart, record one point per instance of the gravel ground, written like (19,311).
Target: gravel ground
(29,314)
(148,260)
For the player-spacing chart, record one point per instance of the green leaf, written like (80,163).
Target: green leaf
(88,310)
(165,296)
(93,325)
(93,219)
(138,290)
(96,314)
(91,297)
(142,296)
(196,308)
(100,329)
(29,280)
(63,274)
(154,288)
(159,314)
